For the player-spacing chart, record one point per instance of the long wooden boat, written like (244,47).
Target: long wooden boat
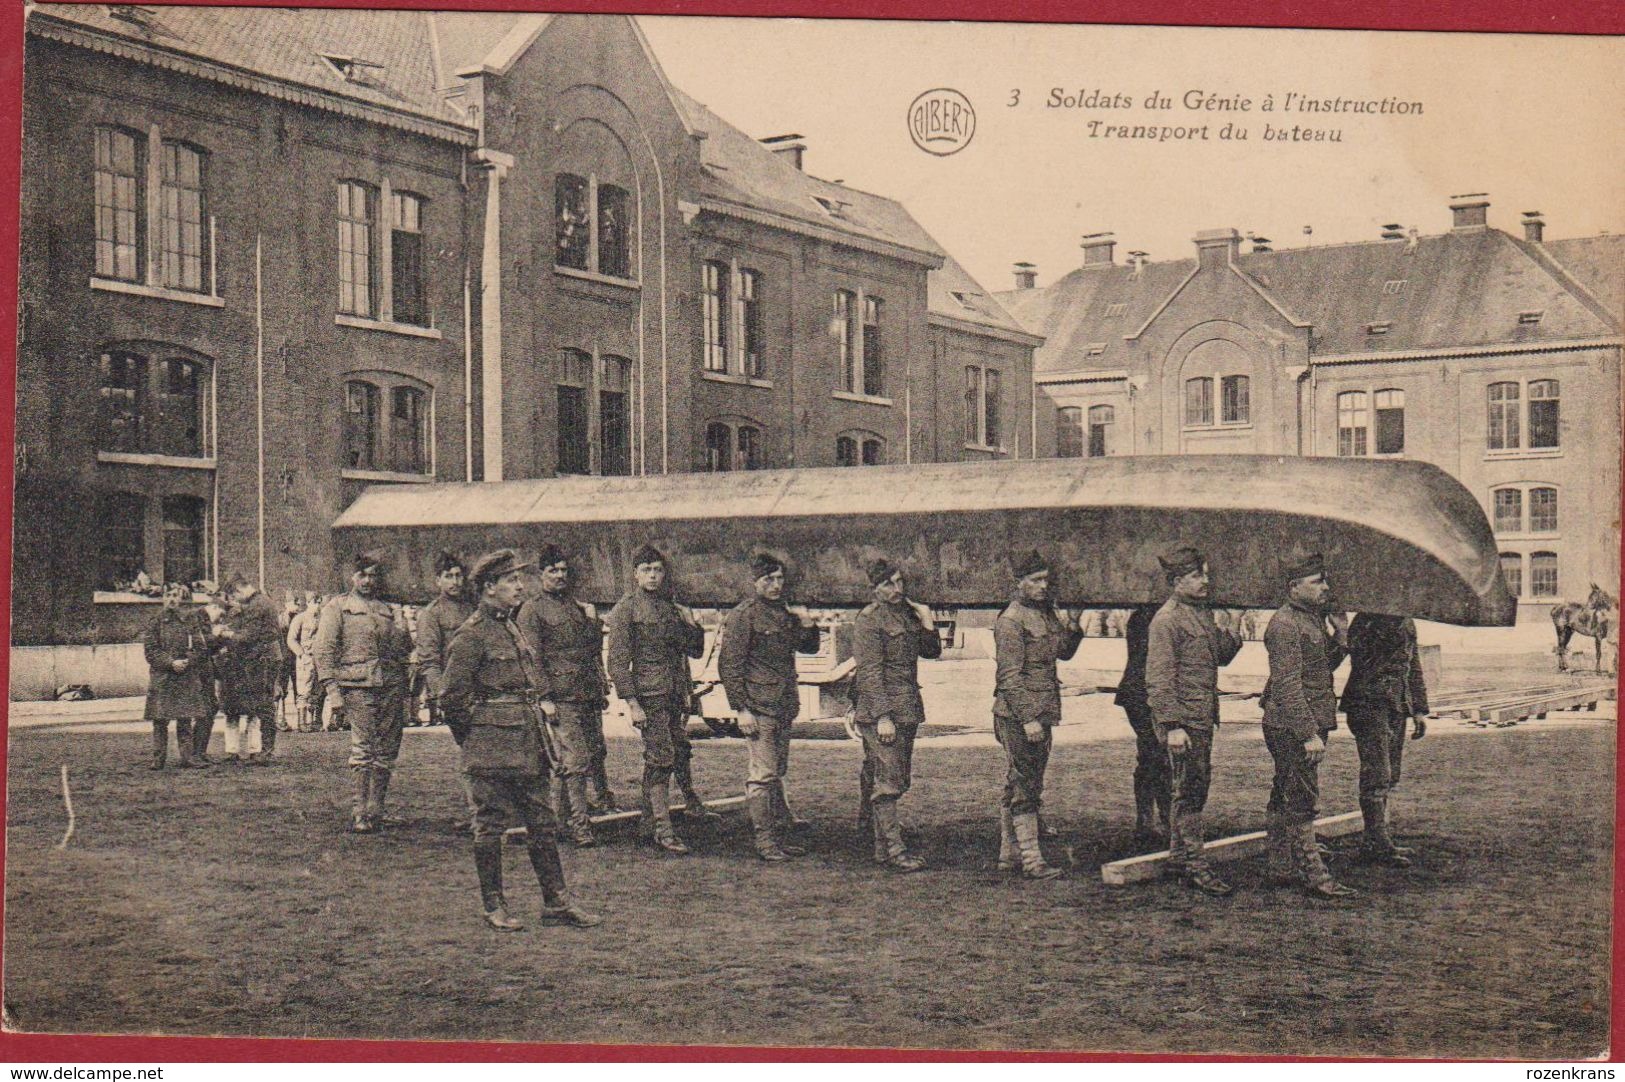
(1398,537)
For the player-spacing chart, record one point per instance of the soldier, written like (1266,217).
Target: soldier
(1029,638)
(496,697)
(650,641)
(177,645)
(250,665)
(757,664)
(571,644)
(1185,651)
(1300,708)
(888,639)
(361,651)
(1152,794)
(437,623)
(1385,689)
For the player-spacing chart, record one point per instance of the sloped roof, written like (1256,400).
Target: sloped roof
(952,292)
(1459,289)
(1599,264)
(467,37)
(287,45)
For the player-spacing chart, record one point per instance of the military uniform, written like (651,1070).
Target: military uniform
(888,641)
(1028,639)
(571,645)
(361,652)
(186,697)
(1385,690)
(438,621)
(1299,705)
(1152,795)
(249,668)
(301,640)
(649,647)
(1184,653)
(757,664)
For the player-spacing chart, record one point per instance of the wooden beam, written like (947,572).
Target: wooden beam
(727,803)
(1120,873)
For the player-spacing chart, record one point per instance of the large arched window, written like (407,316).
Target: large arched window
(153,400)
(120,204)
(594,203)
(733,445)
(358,243)
(388,424)
(860,449)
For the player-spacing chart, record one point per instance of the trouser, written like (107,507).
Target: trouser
(375,742)
(160,740)
(1295,791)
(1152,780)
(769,751)
(1025,763)
(1190,773)
(891,766)
(572,736)
(202,731)
(239,726)
(666,750)
(514,798)
(1381,743)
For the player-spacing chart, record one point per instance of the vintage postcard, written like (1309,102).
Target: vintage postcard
(687,531)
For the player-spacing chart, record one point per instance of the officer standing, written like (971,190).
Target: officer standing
(1185,651)
(1300,708)
(651,639)
(496,697)
(571,644)
(250,666)
(361,652)
(1385,689)
(757,664)
(888,639)
(177,645)
(1152,794)
(1029,638)
(437,623)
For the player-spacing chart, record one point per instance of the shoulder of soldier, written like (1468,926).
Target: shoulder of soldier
(1011,611)
(869,613)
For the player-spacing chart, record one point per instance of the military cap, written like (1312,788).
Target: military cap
(881,571)
(764,564)
(445,561)
(364,560)
(1030,564)
(1182,561)
(549,555)
(648,554)
(1304,567)
(493,565)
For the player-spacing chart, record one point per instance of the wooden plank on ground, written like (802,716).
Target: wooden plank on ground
(1120,873)
(1517,711)
(727,803)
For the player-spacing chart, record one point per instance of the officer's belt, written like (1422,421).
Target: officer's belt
(514,698)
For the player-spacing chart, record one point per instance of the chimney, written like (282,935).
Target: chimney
(1136,260)
(790,147)
(1534,227)
(1393,231)
(1097,249)
(1261,245)
(1217,247)
(1469,211)
(1026,276)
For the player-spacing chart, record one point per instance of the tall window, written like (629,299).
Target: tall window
(614,235)
(1069,432)
(748,451)
(574,442)
(846,349)
(130,383)
(1512,573)
(592,225)
(874,452)
(731,446)
(357,212)
(1353,424)
(1508,510)
(982,406)
(1390,418)
(183,538)
(1503,417)
(123,548)
(181,203)
(361,427)
(120,204)
(750,320)
(1198,401)
(409,298)
(846,451)
(180,408)
(572,221)
(714,279)
(1543,574)
(1101,419)
(123,394)
(1543,414)
(1543,510)
(1235,405)
(614,417)
(408,430)
(874,361)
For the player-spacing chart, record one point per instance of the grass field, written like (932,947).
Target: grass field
(231,902)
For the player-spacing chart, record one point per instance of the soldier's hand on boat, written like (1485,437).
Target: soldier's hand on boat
(635,710)
(747,722)
(1068,619)
(886,731)
(1313,749)
(1034,731)
(1420,723)
(801,614)
(687,614)
(1178,741)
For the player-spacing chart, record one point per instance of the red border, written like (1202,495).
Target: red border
(1496,16)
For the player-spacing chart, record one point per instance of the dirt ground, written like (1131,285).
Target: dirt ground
(231,902)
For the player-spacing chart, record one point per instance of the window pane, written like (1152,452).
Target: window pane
(719,449)
(575,367)
(1543,510)
(1069,432)
(840,328)
(356,214)
(1508,510)
(406,262)
(614,233)
(714,313)
(574,451)
(750,448)
(409,430)
(1512,573)
(123,394)
(1503,417)
(1543,418)
(991,421)
(1236,405)
(874,452)
(874,359)
(1098,434)
(120,203)
(973,404)
(1543,574)
(180,408)
(750,300)
(1390,423)
(1351,423)
(181,201)
(183,539)
(846,451)
(1199,401)
(360,425)
(123,548)
(614,426)
(572,228)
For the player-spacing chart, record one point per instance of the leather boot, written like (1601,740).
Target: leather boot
(160,745)
(1377,846)
(657,809)
(866,794)
(760,804)
(1279,868)
(488,865)
(183,744)
(787,819)
(201,734)
(556,905)
(1032,854)
(360,798)
(1147,830)
(889,831)
(1009,852)
(375,801)
(578,818)
(1317,881)
(1189,858)
(267,744)
(694,810)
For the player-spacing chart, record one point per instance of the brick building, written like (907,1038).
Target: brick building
(1495,357)
(270,257)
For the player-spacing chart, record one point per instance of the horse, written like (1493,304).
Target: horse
(1597,616)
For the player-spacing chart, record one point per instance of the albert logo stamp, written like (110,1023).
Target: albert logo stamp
(941,121)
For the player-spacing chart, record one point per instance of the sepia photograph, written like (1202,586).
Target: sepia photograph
(814,534)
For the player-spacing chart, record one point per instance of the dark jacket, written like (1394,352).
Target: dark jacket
(649,644)
(1183,656)
(571,644)
(174,634)
(1385,668)
(757,660)
(888,642)
(1298,696)
(1028,640)
(493,678)
(438,621)
(251,661)
(360,644)
(1137,637)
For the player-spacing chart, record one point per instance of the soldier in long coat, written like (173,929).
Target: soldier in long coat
(757,664)
(250,666)
(1385,690)
(1305,646)
(651,639)
(178,648)
(1029,638)
(496,697)
(889,637)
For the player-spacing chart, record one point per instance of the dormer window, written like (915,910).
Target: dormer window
(1095,349)
(1533,316)
(353,69)
(1380,327)
(833,207)
(964,299)
(1394,286)
(1117,309)
(132,13)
